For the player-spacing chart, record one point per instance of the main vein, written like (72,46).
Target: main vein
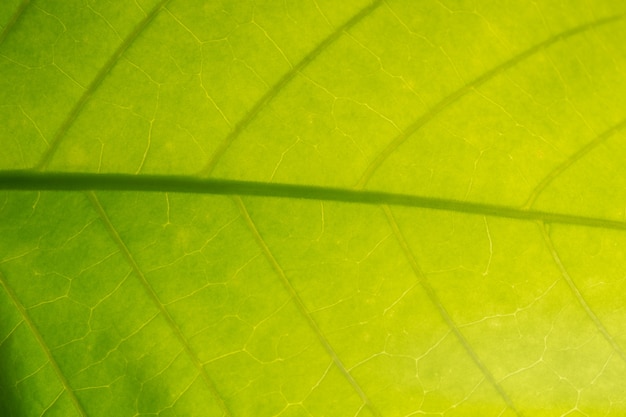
(35,331)
(59,181)
(157,302)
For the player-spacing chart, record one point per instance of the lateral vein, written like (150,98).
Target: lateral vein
(44,346)
(456,95)
(19,12)
(282,82)
(434,299)
(293,294)
(95,83)
(156,301)
(575,157)
(579,296)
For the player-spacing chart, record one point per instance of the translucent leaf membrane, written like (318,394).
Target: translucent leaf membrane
(490,284)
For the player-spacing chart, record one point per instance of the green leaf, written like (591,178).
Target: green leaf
(309,208)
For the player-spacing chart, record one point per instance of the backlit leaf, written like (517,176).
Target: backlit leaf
(312,208)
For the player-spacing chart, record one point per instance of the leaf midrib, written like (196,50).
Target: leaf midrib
(27,180)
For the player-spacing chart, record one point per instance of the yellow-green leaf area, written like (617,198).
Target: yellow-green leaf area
(312,208)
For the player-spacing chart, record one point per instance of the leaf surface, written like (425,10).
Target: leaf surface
(309,208)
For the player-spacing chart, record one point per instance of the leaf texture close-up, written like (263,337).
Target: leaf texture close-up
(312,208)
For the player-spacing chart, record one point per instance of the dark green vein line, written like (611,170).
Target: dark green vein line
(56,181)
(293,294)
(157,302)
(432,296)
(278,87)
(581,153)
(19,12)
(578,295)
(43,345)
(95,83)
(461,92)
